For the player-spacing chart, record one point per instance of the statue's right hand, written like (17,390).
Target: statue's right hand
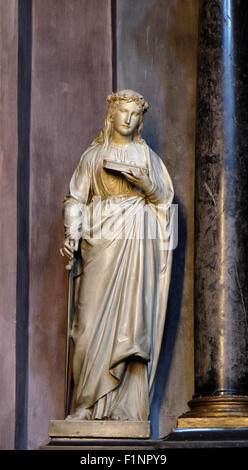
(69,247)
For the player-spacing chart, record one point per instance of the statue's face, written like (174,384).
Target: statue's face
(126,118)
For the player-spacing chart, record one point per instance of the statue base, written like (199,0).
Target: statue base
(135,435)
(78,432)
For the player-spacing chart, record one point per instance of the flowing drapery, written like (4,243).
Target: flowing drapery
(126,247)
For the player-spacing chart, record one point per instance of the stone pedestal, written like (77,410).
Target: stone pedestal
(97,434)
(98,429)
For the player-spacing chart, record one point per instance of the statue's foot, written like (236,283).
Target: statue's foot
(79,414)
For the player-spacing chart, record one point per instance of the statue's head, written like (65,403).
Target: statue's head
(117,101)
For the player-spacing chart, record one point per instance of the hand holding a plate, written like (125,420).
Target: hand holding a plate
(139,178)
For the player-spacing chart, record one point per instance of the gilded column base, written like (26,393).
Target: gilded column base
(216,412)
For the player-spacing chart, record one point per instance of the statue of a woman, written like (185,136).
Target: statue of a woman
(120,220)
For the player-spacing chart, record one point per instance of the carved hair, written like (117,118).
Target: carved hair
(114,100)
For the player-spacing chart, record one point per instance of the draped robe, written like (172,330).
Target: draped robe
(126,246)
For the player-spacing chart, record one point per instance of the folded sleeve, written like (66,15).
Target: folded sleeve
(75,203)
(162,191)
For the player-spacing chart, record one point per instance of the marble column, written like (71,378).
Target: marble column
(221,219)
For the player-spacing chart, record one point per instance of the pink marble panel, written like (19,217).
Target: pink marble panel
(71,76)
(8,211)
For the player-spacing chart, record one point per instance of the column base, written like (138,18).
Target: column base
(212,423)
(227,411)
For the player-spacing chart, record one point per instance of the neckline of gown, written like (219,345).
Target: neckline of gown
(115,146)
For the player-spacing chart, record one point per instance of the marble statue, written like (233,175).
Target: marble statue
(117,215)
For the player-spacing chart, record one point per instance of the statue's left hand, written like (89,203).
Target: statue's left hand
(140,179)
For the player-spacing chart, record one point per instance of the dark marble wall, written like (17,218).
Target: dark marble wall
(156,55)
(8,210)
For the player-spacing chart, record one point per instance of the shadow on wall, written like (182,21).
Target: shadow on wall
(158,41)
(171,324)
